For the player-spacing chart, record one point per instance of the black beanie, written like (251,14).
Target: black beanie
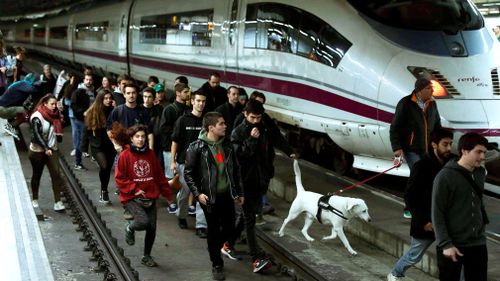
(421,83)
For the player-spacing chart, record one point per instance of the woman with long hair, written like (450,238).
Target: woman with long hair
(47,132)
(141,180)
(101,147)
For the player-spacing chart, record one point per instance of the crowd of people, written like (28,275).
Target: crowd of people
(217,143)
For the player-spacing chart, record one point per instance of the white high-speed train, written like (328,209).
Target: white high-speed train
(333,68)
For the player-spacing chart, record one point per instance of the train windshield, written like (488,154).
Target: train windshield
(444,15)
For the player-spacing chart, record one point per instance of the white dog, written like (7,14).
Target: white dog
(344,208)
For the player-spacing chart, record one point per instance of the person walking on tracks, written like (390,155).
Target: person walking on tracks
(46,133)
(211,175)
(101,147)
(458,214)
(140,180)
(418,198)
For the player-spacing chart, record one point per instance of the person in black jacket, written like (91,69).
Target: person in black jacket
(101,147)
(418,198)
(216,95)
(186,130)
(211,175)
(255,154)
(80,102)
(415,118)
(231,108)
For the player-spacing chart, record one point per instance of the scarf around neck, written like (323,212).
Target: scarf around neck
(53,117)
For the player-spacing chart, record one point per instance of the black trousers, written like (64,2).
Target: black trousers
(105,160)
(474,261)
(251,208)
(220,225)
(144,219)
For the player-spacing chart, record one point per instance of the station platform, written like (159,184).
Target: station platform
(22,251)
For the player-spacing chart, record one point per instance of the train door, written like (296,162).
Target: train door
(231,35)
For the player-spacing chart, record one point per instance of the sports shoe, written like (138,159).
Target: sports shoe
(59,206)
(104,198)
(172,208)
(391,277)
(148,261)
(182,223)
(35,204)
(218,273)
(192,210)
(73,152)
(8,129)
(85,154)
(407,214)
(79,167)
(129,236)
(229,252)
(261,264)
(127,215)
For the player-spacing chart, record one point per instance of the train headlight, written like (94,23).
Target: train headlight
(456,49)
(438,91)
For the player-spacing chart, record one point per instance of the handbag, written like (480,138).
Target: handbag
(144,202)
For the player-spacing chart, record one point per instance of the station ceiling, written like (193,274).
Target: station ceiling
(16,8)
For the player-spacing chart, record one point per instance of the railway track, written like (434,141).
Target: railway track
(106,253)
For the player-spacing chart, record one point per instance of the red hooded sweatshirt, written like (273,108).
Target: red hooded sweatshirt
(140,171)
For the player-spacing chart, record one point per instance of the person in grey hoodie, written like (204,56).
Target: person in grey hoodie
(458,214)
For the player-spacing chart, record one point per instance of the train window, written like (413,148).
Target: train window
(39,31)
(332,47)
(60,32)
(96,31)
(446,15)
(232,22)
(191,28)
(276,27)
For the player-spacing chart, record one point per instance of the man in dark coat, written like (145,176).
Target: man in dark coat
(231,108)
(418,198)
(415,118)
(216,95)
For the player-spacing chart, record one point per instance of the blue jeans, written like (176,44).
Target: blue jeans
(412,256)
(76,134)
(411,158)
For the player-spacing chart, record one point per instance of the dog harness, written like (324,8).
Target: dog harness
(324,205)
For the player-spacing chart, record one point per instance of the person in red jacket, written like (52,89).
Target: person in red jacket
(141,180)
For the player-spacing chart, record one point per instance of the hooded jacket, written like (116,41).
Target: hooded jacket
(411,126)
(456,207)
(201,168)
(140,171)
(255,158)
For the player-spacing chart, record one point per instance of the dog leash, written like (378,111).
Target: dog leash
(397,164)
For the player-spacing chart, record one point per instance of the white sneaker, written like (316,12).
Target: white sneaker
(35,204)
(391,277)
(85,154)
(73,152)
(59,206)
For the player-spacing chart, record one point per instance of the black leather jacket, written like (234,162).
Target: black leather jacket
(200,170)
